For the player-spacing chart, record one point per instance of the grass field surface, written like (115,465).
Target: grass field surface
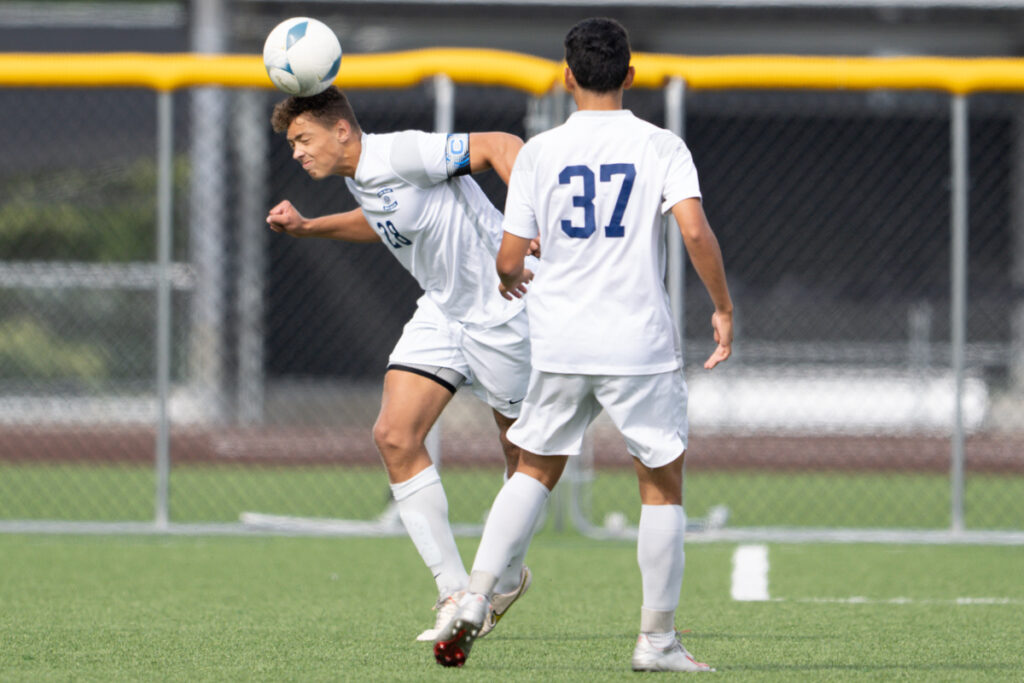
(115,608)
(211,493)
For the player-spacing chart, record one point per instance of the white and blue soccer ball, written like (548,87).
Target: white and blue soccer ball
(302,56)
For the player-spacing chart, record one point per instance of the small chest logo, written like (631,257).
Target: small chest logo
(387,196)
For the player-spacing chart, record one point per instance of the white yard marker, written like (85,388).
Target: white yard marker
(750,573)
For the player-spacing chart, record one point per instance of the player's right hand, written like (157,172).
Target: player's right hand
(721,323)
(286,218)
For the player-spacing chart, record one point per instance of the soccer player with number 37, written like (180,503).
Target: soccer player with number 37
(594,189)
(416,196)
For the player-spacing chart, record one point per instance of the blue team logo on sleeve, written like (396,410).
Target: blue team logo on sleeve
(387,196)
(456,154)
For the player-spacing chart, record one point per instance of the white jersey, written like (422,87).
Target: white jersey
(436,221)
(595,190)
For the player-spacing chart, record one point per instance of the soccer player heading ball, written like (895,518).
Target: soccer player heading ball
(417,197)
(594,190)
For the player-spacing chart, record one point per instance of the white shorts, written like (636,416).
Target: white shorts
(649,411)
(494,360)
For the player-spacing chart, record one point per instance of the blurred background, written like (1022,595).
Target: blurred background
(833,209)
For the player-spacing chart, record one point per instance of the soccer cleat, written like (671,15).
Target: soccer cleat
(675,657)
(445,608)
(502,601)
(455,640)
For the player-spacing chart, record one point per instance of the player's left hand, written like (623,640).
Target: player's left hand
(519,288)
(721,322)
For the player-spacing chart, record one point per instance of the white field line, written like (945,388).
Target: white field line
(857,600)
(750,584)
(750,573)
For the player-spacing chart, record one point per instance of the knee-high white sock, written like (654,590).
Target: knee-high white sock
(508,531)
(423,507)
(659,552)
(509,579)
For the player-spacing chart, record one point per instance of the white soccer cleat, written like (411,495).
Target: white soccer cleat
(675,657)
(455,640)
(502,601)
(446,608)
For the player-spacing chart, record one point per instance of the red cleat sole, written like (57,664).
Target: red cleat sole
(448,653)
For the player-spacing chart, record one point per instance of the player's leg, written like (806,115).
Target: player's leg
(650,411)
(510,450)
(508,531)
(659,549)
(425,369)
(555,414)
(516,578)
(410,405)
(499,360)
(662,560)
(513,517)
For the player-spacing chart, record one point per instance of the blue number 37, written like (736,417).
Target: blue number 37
(585,201)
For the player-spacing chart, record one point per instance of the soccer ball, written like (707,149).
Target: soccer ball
(302,56)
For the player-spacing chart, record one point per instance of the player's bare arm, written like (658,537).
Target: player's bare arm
(706,256)
(493,151)
(350,226)
(511,263)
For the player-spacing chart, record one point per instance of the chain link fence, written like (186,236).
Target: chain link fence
(833,211)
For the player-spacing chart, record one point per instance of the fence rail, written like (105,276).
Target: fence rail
(534,75)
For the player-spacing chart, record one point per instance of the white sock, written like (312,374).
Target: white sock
(423,507)
(509,579)
(510,525)
(659,552)
(662,639)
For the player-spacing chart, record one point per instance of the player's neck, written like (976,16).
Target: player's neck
(349,161)
(592,101)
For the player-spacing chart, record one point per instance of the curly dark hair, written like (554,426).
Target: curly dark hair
(327,107)
(597,51)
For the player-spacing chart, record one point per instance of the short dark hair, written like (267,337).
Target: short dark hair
(597,51)
(327,107)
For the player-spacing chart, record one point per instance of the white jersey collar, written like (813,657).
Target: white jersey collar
(601,113)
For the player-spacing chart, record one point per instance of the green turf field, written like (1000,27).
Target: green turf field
(311,609)
(219,493)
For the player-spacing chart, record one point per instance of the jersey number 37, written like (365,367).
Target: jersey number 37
(585,201)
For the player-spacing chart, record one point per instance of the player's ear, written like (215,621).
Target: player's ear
(570,80)
(343,130)
(630,75)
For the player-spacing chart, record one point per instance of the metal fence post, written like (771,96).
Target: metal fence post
(251,148)
(538,115)
(958,299)
(208,214)
(164,204)
(444,104)
(207,244)
(675,121)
